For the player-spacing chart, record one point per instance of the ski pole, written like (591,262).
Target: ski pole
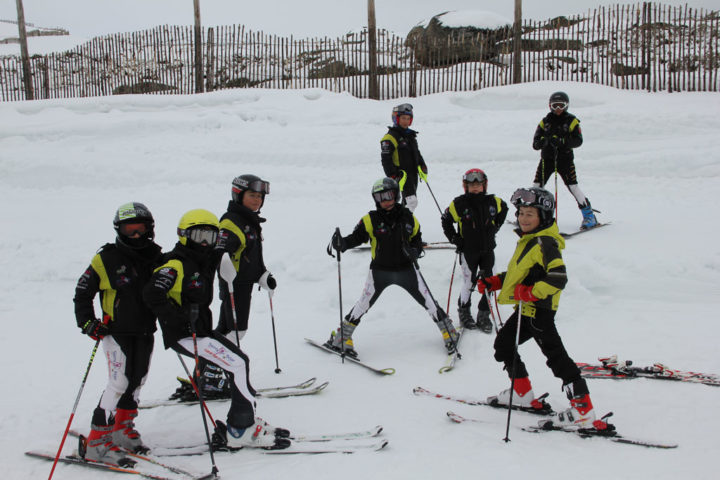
(194,313)
(452,278)
(492,313)
(556,190)
(342,333)
(514,366)
(433,196)
(195,388)
(272,317)
(227,272)
(77,400)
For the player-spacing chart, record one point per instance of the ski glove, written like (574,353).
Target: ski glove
(338,242)
(95,328)
(489,284)
(556,141)
(524,293)
(457,240)
(268,282)
(423,172)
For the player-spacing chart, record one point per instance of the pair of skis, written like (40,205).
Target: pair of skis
(308,387)
(609,433)
(610,367)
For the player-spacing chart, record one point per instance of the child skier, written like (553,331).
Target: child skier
(533,281)
(556,136)
(479,216)
(180,292)
(400,155)
(119,271)
(396,243)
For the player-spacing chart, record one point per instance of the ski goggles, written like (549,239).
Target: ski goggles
(475,177)
(203,235)
(132,229)
(524,197)
(384,196)
(260,186)
(558,105)
(404,109)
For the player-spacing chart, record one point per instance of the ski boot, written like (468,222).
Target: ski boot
(589,220)
(483,321)
(336,339)
(254,436)
(98,447)
(214,383)
(523,397)
(124,434)
(449,334)
(581,413)
(466,319)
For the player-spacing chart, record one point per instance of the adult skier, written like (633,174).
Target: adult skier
(400,155)
(556,136)
(479,216)
(396,243)
(180,293)
(534,280)
(118,272)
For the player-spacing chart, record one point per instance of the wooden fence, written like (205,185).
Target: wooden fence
(645,46)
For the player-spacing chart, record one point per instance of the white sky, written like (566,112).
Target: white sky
(301,17)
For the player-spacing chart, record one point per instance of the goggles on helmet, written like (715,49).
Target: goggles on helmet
(471,177)
(558,105)
(523,197)
(404,109)
(260,186)
(383,196)
(203,234)
(132,228)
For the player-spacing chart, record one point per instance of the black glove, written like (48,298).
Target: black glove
(272,283)
(557,141)
(338,242)
(458,241)
(95,329)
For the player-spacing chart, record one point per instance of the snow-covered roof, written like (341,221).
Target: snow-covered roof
(470,18)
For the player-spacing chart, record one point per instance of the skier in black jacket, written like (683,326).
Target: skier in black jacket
(479,216)
(180,293)
(556,136)
(400,155)
(118,272)
(396,243)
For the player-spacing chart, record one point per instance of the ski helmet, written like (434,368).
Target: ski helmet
(559,100)
(539,198)
(198,228)
(131,219)
(385,189)
(402,109)
(475,175)
(247,182)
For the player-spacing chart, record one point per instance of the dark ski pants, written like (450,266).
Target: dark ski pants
(566,169)
(541,328)
(128,360)
(475,265)
(221,352)
(243,296)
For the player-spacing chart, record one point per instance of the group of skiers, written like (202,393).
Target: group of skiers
(138,284)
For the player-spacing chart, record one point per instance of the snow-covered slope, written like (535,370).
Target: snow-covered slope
(645,288)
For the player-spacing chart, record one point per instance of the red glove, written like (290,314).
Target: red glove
(524,293)
(489,284)
(96,329)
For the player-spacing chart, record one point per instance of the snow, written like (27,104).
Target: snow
(471,18)
(645,288)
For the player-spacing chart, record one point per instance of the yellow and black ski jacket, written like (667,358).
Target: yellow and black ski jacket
(119,274)
(537,261)
(241,236)
(566,127)
(399,153)
(479,217)
(391,235)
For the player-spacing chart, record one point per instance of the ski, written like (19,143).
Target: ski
(373,432)
(295,447)
(583,230)
(357,361)
(457,418)
(76,460)
(300,386)
(609,433)
(427,246)
(453,357)
(546,410)
(609,367)
(279,392)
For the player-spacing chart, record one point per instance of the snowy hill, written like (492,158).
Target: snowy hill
(645,288)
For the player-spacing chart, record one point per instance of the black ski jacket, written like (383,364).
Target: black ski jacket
(399,151)
(119,274)
(392,236)
(241,236)
(566,127)
(479,217)
(185,278)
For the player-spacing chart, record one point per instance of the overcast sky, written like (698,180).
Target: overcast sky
(299,17)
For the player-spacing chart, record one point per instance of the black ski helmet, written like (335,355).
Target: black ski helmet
(559,97)
(381,187)
(402,109)
(539,198)
(250,182)
(134,212)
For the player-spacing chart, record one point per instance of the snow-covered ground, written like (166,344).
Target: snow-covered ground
(645,288)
